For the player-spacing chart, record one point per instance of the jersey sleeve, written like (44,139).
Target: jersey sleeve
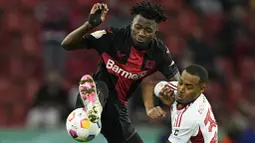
(183,134)
(99,40)
(209,126)
(166,64)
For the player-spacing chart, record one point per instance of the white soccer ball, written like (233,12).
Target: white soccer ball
(80,128)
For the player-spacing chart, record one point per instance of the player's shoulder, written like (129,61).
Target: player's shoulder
(118,31)
(119,34)
(201,106)
(158,50)
(189,117)
(108,30)
(160,45)
(113,30)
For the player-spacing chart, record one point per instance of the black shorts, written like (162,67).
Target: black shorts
(116,125)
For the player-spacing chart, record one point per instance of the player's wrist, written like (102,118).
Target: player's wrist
(149,109)
(88,25)
(95,19)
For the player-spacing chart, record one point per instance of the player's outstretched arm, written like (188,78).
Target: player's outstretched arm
(74,39)
(166,96)
(148,99)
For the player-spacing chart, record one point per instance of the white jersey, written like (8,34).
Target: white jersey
(194,123)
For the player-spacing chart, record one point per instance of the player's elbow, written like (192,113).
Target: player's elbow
(66,45)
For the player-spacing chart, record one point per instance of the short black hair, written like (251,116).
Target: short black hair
(199,71)
(149,11)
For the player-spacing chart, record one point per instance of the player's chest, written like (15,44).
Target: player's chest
(130,59)
(180,116)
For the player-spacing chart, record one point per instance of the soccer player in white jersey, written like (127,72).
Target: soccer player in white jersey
(191,113)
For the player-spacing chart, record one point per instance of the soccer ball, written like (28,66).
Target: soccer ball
(80,128)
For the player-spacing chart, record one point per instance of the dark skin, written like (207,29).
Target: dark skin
(142,32)
(189,88)
(74,39)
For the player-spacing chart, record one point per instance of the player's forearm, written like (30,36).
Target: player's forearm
(74,39)
(148,95)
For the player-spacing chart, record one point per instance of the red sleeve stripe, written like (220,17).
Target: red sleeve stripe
(172,86)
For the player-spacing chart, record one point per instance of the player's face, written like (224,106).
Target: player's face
(143,30)
(188,88)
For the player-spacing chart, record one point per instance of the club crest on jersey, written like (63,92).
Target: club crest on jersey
(111,65)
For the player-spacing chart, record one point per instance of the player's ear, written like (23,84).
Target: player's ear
(202,87)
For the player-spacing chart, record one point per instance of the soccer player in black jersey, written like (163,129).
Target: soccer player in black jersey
(128,56)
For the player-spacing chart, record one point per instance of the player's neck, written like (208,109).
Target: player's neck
(141,47)
(180,106)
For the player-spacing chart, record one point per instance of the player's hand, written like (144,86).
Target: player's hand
(156,113)
(166,95)
(98,13)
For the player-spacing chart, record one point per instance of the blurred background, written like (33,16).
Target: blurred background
(38,79)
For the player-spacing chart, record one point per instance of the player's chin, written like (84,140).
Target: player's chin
(141,42)
(179,100)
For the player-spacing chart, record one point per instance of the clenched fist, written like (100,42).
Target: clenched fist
(156,113)
(166,95)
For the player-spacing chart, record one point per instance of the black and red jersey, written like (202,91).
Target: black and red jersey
(123,65)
